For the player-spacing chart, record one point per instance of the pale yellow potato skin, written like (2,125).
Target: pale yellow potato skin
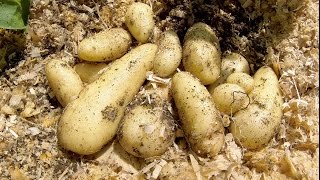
(140,131)
(254,126)
(230,98)
(105,46)
(63,80)
(243,80)
(91,121)
(89,72)
(201,53)
(200,120)
(169,54)
(230,63)
(139,20)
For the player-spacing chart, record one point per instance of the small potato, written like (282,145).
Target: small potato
(243,80)
(146,131)
(105,46)
(63,80)
(169,54)
(231,63)
(91,121)
(89,72)
(254,126)
(201,53)
(139,20)
(200,120)
(230,98)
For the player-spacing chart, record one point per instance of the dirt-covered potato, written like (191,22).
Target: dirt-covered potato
(89,72)
(91,121)
(243,80)
(230,63)
(254,126)
(105,46)
(200,120)
(230,98)
(169,54)
(201,53)
(146,131)
(139,20)
(63,80)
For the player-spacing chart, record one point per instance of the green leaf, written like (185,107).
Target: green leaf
(14,14)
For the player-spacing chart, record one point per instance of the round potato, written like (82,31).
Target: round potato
(89,72)
(243,80)
(91,121)
(254,126)
(201,53)
(230,98)
(63,80)
(146,131)
(105,46)
(139,20)
(169,54)
(231,63)
(200,120)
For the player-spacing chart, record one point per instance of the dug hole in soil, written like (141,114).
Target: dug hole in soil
(281,34)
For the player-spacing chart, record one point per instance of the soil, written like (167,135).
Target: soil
(281,34)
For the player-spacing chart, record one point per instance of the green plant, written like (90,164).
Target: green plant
(14,14)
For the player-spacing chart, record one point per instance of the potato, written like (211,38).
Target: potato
(243,80)
(231,63)
(254,126)
(200,120)
(105,46)
(63,80)
(169,54)
(146,131)
(89,72)
(91,121)
(201,53)
(139,20)
(230,98)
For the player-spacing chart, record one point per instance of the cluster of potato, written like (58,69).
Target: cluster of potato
(96,95)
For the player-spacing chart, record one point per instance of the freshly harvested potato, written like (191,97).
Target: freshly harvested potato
(201,53)
(91,121)
(254,126)
(177,170)
(139,20)
(105,46)
(169,54)
(146,131)
(200,120)
(230,98)
(243,80)
(63,80)
(231,63)
(89,72)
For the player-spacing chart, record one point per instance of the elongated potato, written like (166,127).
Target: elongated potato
(105,46)
(230,98)
(89,72)
(91,121)
(139,20)
(146,131)
(169,54)
(201,53)
(231,63)
(200,120)
(254,126)
(243,80)
(63,80)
